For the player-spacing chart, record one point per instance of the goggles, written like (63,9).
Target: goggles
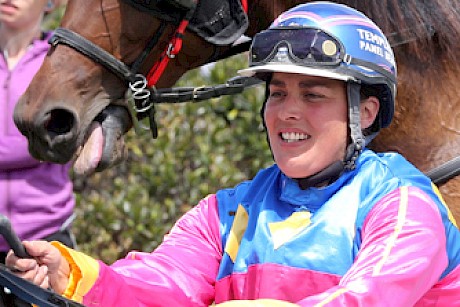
(305,46)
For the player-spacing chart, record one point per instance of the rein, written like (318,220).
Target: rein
(31,293)
(446,171)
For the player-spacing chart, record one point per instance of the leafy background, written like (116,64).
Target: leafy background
(201,148)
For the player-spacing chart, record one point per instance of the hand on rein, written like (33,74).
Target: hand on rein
(47,268)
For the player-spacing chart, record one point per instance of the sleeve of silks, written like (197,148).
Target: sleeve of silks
(180,272)
(403,254)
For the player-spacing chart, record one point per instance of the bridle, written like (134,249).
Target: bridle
(120,69)
(139,84)
(142,93)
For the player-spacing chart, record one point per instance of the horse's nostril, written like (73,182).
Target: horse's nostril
(59,121)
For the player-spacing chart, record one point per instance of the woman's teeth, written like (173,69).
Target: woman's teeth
(294,136)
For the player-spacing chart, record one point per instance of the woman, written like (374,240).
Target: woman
(331,223)
(37,197)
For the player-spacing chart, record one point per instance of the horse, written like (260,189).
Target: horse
(77,107)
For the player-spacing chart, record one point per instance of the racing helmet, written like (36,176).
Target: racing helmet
(334,41)
(329,40)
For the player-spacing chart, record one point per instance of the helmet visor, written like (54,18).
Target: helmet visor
(304,46)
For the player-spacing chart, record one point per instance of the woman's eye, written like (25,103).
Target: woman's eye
(276,94)
(312,95)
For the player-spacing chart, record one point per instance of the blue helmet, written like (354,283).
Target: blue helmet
(329,40)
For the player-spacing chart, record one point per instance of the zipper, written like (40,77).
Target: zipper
(7,91)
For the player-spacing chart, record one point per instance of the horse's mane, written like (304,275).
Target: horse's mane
(422,32)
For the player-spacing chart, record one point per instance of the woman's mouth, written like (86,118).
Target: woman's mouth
(291,137)
(7,7)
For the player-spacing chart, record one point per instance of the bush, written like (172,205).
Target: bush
(201,148)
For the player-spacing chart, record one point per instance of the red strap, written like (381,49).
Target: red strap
(244,3)
(171,51)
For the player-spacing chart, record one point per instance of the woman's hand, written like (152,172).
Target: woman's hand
(47,268)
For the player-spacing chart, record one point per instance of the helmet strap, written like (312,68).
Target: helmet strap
(324,177)
(354,121)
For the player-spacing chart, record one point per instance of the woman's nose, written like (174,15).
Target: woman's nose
(290,109)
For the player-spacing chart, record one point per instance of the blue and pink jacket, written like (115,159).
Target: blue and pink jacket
(378,236)
(37,197)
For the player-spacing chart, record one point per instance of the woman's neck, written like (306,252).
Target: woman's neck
(14,43)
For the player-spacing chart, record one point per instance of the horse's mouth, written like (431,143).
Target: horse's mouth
(50,154)
(103,145)
(89,154)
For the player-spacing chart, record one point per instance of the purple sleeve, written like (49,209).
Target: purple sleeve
(401,257)
(180,272)
(14,153)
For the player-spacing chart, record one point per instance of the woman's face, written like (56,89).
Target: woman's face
(306,119)
(21,14)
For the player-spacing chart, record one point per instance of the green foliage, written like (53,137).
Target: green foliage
(52,20)
(201,147)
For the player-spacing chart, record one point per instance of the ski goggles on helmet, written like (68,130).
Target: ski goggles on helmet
(304,46)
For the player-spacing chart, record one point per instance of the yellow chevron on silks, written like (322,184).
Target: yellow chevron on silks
(240,223)
(284,231)
(451,217)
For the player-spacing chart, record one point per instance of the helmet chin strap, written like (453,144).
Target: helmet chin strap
(332,172)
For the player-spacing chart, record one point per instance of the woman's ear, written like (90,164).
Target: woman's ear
(369,108)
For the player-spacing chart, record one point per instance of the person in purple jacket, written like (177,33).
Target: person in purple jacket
(331,223)
(36,196)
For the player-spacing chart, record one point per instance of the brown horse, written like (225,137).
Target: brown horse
(72,91)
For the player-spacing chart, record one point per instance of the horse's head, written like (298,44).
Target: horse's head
(76,107)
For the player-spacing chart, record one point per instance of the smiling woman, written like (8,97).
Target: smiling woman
(306,120)
(330,210)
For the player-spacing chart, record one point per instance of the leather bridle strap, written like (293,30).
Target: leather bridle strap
(92,51)
(171,51)
(31,293)
(120,69)
(97,54)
